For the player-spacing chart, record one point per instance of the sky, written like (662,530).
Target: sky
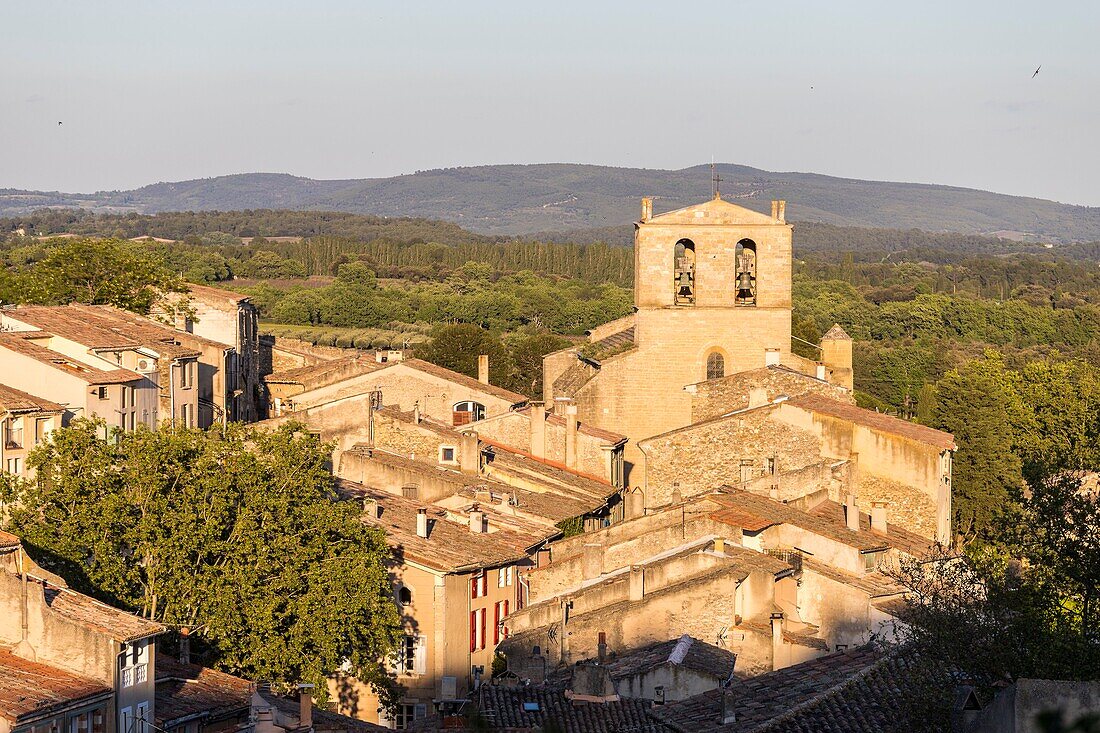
(933,92)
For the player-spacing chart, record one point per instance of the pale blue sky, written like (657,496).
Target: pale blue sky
(937,92)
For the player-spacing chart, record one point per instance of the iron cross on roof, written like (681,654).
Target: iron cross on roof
(716,180)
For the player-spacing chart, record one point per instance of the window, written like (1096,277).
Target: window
(141,717)
(871,560)
(500,612)
(14,467)
(125,721)
(477,629)
(716,365)
(504,577)
(101,392)
(467,412)
(477,585)
(187,375)
(447,454)
(404,596)
(13,433)
(411,657)
(133,664)
(409,712)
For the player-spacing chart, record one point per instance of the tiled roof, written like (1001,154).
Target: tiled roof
(450,545)
(19,343)
(904,540)
(874,420)
(14,400)
(575,376)
(187,690)
(8,540)
(528,708)
(583,428)
(103,327)
(861,691)
(97,616)
(875,584)
(323,720)
(836,332)
(458,378)
(762,511)
(314,375)
(608,346)
(686,652)
(27,688)
(209,294)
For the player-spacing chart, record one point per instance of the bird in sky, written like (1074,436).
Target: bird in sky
(1036,72)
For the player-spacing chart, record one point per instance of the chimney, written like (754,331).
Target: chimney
(635,504)
(372,509)
(943,511)
(592,561)
(728,714)
(469,454)
(647,208)
(483,368)
(878,516)
(601,647)
(758,396)
(777,639)
(538,429)
(719,545)
(477,521)
(422,523)
(416,412)
(851,512)
(782,211)
(637,582)
(305,706)
(265,721)
(571,436)
(185,645)
(775,210)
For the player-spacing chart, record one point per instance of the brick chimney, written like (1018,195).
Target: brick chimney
(728,714)
(185,645)
(483,368)
(422,523)
(538,429)
(305,705)
(469,454)
(777,639)
(601,647)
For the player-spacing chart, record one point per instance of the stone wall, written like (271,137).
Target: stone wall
(719,396)
(708,455)
(514,429)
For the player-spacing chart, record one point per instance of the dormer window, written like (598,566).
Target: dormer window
(684,280)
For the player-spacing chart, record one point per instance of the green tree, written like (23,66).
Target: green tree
(526,352)
(96,272)
(456,346)
(237,534)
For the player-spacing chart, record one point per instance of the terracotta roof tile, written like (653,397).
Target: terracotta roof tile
(27,688)
(312,376)
(582,427)
(458,378)
(187,690)
(450,545)
(8,540)
(874,420)
(19,343)
(97,616)
(575,376)
(608,346)
(102,327)
(531,708)
(904,540)
(14,400)
(209,294)
(685,652)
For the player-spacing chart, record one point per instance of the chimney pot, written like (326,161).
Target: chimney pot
(851,512)
(185,645)
(601,647)
(477,521)
(719,545)
(483,368)
(647,208)
(305,705)
(775,210)
(782,211)
(422,523)
(777,639)
(728,713)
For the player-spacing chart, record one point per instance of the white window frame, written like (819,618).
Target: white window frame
(125,720)
(504,577)
(141,717)
(453,460)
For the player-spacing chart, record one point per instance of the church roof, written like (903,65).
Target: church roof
(608,346)
(715,212)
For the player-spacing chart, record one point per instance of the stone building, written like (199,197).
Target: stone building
(712,297)
(25,421)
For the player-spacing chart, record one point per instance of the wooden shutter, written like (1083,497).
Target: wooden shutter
(473,631)
(420,655)
(483,615)
(504,632)
(496,623)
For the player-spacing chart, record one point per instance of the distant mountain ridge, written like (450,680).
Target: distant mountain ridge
(523,199)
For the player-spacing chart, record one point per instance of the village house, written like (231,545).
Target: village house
(25,421)
(231,320)
(84,387)
(67,661)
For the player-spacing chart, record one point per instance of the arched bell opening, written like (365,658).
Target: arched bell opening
(745,257)
(684,279)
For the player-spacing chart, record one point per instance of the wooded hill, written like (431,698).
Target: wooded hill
(520,199)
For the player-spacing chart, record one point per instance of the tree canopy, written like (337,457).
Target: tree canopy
(236,534)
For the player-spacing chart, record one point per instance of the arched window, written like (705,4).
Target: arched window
(716,365)
(683,282)
(746,273)
(404,595)
(467,412)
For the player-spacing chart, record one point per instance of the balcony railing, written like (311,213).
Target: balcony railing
(791,557)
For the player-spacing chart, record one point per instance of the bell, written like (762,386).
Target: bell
(685,283)
(744,285)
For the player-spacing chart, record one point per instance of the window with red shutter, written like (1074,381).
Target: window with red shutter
(483,615)
(473,631)
(504,632)
(496,623)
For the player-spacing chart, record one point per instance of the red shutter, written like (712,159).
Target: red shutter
(473,631)
(506,616)
(473,587)
(483,615)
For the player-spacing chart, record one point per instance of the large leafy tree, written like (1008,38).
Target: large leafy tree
(234,533)
(96,272)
